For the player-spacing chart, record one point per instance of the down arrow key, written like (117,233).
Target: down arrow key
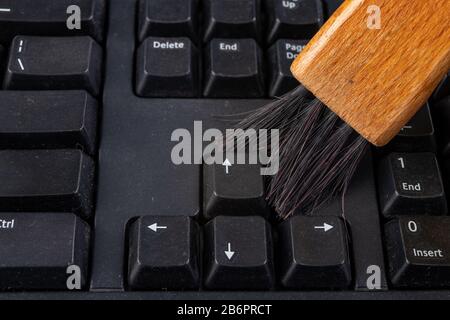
(228,252)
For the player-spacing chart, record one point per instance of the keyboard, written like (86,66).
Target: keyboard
(96,95)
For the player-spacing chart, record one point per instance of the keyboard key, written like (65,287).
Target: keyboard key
(314,253)
(46,180)
(238,253)
(233,69)
(294,19)
(232,19)
(281,56)
(411,184)
(54,63)
(233,190)
(167,67)
(47,120)
(418,251)
(163,253)
(417,135)
(38,249)
(50,18)
(168,18)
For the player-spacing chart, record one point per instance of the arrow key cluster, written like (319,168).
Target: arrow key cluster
(237,252)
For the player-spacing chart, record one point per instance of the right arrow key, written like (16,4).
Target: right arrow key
(314,253)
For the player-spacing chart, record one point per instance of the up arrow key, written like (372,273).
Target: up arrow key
(228,252)
(226,164)
(154,227)
(325,227)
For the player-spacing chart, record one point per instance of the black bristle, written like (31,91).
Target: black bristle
(318,152)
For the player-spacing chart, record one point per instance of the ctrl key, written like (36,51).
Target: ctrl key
(163,253)
(418,249)
(37,250)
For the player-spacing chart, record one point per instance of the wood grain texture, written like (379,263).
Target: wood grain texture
(377,79)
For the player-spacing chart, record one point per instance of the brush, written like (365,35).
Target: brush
(362,77)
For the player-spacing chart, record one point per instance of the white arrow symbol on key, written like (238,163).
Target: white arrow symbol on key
(228,252)
(227,164)
(325,227)
(155,227)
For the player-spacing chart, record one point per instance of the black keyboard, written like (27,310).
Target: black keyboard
(92,205)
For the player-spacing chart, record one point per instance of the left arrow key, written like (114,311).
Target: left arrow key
(163,253)
(155,227)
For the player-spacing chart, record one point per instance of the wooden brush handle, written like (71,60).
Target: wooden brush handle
(377,79)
